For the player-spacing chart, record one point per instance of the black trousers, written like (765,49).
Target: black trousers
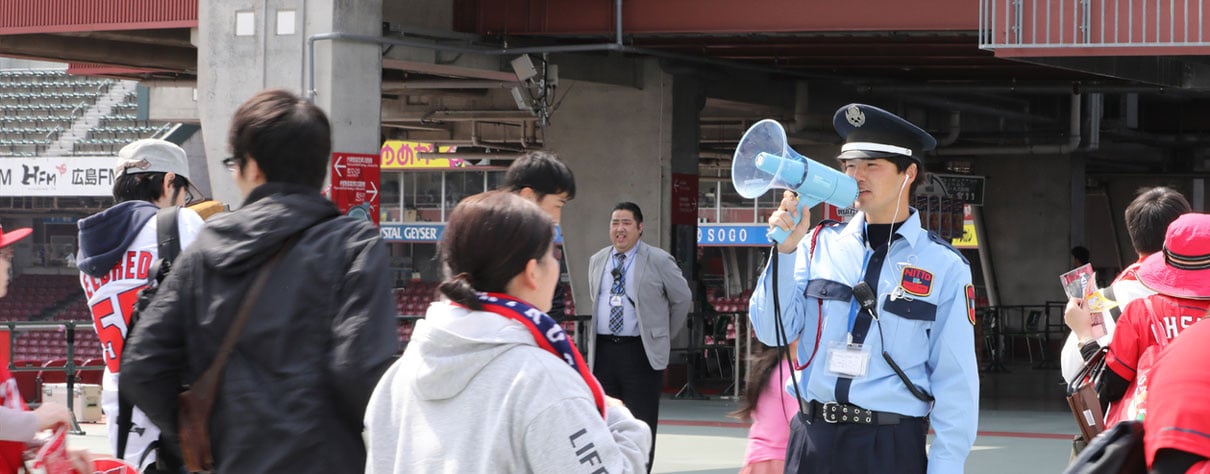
(818,447)
(625,373)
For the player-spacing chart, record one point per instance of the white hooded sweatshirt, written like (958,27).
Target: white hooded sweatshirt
(473,393)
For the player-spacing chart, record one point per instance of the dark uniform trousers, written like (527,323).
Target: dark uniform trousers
(819,447)
(625,373)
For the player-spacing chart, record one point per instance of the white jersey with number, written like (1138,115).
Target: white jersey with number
(111,300)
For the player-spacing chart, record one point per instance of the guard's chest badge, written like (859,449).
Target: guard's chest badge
(916,281)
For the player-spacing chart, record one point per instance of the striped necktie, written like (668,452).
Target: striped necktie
(618,291)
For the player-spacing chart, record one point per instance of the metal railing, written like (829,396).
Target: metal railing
(69,367)
(1092,23)
(1000,324)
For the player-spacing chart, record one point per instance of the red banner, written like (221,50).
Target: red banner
(684,198)
(355,185)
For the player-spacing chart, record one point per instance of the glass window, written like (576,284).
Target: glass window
(390,201)
(707,201)
(422,194)
(735,209)
(459,185)
(495,179)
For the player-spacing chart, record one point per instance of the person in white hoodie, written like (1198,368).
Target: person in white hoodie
(489,382)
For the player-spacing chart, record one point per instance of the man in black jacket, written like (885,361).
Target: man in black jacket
(292,396)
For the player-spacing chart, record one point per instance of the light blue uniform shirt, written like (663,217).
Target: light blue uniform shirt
(925,304)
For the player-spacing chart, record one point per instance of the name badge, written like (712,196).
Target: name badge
(850,361)
(615,300)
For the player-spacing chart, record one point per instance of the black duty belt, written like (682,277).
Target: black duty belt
(619,339)
(833,412)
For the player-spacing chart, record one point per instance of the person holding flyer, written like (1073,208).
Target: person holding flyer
(1147,218)
(1177,275)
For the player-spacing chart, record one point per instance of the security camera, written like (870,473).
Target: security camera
(521,100)
(524,68)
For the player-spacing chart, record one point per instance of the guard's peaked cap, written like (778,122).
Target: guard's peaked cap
(870,132)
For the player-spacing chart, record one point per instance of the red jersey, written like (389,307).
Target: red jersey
(1178,416)
(1137,329)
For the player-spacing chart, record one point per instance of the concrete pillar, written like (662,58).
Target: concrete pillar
(618,141)
(263,43)
(687,103)
(1078,193)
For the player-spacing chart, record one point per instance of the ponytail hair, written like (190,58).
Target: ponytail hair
(460,290)
(490,238)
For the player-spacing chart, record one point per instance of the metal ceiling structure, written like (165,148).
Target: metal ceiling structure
(953,64)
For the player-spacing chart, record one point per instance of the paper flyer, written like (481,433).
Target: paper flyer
(1076,283)
(1081,283)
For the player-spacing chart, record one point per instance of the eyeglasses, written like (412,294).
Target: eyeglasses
(231,162)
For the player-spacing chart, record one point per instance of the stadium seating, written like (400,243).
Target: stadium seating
(33,298)
(37,107)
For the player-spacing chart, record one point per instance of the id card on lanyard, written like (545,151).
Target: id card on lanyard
(848,359)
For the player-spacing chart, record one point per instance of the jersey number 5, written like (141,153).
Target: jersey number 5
(112,322)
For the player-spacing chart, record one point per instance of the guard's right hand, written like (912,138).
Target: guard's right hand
(783,218)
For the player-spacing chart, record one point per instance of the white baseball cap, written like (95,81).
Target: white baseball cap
(151,155)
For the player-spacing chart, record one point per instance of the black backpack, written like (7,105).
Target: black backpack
(168,241)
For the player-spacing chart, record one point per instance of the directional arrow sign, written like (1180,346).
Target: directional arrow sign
(355,184)
(337,166)
(372,192)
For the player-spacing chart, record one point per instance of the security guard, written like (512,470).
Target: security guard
(883,314)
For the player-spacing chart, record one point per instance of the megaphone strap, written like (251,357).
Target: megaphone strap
(819,321)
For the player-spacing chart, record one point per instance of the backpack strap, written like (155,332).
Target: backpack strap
(168,239)
(168,242)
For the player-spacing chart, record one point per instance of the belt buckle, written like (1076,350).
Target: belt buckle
(829,412)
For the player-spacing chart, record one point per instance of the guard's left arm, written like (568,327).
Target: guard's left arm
(953,373)
(676,289)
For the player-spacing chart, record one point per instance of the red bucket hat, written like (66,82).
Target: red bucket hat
(1182,269)
(7,239)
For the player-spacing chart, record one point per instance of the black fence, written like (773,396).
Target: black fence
(68,366)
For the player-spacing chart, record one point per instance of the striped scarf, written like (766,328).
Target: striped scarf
(548,334)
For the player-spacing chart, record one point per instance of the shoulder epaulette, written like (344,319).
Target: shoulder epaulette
(937,238)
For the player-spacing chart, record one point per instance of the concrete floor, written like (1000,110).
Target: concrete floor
(1024,426)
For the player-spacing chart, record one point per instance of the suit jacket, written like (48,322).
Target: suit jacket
(661,297)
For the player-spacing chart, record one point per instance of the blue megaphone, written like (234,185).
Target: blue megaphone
(764,161)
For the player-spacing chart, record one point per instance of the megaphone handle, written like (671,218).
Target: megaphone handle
(779,235)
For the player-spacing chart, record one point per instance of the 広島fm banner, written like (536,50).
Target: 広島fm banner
(398,154)
(68,176)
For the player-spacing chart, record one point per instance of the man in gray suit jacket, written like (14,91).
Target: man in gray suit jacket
(640,302)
